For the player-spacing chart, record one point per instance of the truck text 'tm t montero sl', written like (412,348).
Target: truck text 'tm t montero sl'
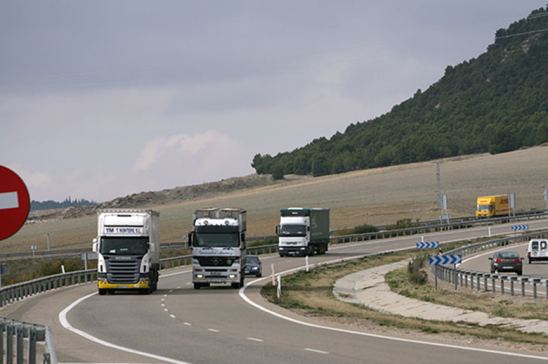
(128,250)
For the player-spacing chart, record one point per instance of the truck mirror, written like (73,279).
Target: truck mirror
(308,228)
(243,236)
(277,229)
(189,239)
(94,246)
(150,246)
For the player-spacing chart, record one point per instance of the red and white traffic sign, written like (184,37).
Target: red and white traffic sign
(14,202)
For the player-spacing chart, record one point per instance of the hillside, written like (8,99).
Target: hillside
(373,196)
(155,198)
(494,103)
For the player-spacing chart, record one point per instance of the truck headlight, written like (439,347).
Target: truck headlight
(232,276)
(199,276)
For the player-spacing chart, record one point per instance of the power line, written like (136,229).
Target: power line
(523,33)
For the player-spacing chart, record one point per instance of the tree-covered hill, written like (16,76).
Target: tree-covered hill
(494,103)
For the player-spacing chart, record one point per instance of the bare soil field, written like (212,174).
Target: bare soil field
(374,196)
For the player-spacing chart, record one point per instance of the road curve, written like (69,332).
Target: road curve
(179,324)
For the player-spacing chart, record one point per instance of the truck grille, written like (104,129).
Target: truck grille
(216,261)
(123,271)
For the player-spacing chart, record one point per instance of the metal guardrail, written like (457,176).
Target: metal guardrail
(384,231)
(492,282)
(24,342)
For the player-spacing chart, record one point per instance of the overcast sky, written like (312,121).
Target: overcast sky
(100,99)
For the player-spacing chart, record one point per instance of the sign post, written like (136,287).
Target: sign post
(14,202)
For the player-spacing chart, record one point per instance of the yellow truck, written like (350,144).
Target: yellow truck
(490,206)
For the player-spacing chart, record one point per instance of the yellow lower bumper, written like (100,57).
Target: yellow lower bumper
(139,285)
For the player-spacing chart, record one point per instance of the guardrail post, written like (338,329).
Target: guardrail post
(493,286)
(546,289)
(502,285)
(485,283)
(9,344)
(522,288)
(2,327)
(19,345)
(534,288)
(465,280)
(512,286)
(32,345)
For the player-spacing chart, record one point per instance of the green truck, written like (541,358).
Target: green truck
(303,231)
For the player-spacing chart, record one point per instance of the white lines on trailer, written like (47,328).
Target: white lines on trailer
(316,351)
(255,339)
(213,330)
(187,324)
(172,316)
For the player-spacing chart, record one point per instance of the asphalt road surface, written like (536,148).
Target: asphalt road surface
(178,324)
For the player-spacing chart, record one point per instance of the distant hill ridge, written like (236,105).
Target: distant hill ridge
(494,103)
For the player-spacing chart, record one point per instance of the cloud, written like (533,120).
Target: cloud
(200,145)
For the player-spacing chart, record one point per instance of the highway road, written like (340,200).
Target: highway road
(481,262)
(178,324)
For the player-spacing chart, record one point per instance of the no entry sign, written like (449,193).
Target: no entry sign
(14,202)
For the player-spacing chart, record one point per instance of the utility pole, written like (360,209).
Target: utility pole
(442,197)
(48,241)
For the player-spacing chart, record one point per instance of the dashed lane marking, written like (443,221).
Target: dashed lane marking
(213,330)
(255,339)
(316,351)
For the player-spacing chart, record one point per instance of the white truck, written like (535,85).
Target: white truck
(128,250)
(218,246)
(303,231)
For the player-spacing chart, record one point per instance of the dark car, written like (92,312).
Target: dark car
(253,266)
(507,261)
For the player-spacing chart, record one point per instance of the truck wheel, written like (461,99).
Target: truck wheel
(102,291)
(197,285)
(529,260)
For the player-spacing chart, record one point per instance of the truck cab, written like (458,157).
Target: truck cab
(128,251)
(218,247)
(303,231)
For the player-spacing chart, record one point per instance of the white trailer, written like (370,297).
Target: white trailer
(128,250)
(218,247)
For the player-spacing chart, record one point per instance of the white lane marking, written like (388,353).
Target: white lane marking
(187,323)
(163,300)
(163,305)
(174,274)
(368,334)
(172,315)
(255,339)
(213,330)
(170,291)
(165,309)
(316,351)
(9,200)
(64,322)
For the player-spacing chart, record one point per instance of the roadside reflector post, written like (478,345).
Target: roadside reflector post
(422,238)
(502,286)
(436,272)
(62,269)
(489,231)
(306,262)
(273,275)
(512,287)
(534,289)
(279,287)
(522,288)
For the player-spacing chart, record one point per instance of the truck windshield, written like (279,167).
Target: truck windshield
(293,230)
(224,240)
(485,207)
(124,245)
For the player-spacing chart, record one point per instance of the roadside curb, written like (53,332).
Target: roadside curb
(369,288)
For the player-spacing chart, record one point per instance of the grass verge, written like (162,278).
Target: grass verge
(311,293)
(488,302)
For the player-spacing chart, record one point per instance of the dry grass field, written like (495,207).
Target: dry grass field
(375,196)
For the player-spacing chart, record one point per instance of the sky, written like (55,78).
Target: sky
(100,99)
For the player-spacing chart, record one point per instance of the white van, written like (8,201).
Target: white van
(537,250)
